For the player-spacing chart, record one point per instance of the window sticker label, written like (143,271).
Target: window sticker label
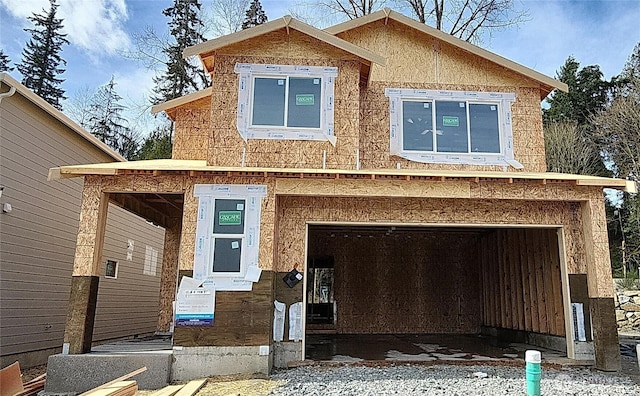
(305,100)
(316,81)
(280,82)
(450,121)
(230,217)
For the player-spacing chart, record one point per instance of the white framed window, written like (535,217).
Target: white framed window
(228,235)
(111,269)
(285,102)
(453,127)
(228,238)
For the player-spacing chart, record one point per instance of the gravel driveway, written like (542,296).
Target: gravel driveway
(440,380)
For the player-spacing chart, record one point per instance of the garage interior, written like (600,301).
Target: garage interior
(465,291)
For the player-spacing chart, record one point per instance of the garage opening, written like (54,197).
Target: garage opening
(467,292)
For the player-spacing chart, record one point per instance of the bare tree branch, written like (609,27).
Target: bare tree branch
(568,151)
(224,17)
(465,19)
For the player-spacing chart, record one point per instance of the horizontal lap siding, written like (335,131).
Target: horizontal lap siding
(129,304)
(38,237)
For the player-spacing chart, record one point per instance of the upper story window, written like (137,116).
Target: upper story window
(452,127)
(286,102)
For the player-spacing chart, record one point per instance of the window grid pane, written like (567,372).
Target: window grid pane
(303,102)
(227,254)
(485,131)
(417,126)
(451,127)
(269,101)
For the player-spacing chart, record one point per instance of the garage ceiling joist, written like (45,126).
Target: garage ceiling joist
(160,209)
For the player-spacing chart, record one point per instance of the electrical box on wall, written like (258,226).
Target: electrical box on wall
(292,278)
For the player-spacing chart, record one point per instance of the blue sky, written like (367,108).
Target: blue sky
(601,32)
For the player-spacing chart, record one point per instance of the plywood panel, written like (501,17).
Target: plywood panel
(241,319)
(532,303)
(192,129)
(226,147)
(404,283)
(295,211)
(374,127)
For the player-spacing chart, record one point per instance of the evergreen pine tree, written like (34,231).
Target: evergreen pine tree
(107,123)
(181,76)
(588,93)
(570,112)
(4,62)
(41,61)
(157,145)
(255,15)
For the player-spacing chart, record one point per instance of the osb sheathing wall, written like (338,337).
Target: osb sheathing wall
(489,203)
(226,145)
(192,127)
(524,203)
(95,186)
(417,60)
(521,280)
(404,282)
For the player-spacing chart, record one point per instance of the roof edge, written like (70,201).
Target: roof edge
(172,165)
(500,60)
(289,23)
(173,103)
(57,114)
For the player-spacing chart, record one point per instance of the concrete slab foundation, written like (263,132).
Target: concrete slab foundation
(584,350)
(198,362)
(285,352)
(72,374)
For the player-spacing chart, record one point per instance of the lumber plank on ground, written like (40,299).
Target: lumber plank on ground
(11,380)
(34,386)
(122,388)
(191,387)
(168,390)
(124,377)
(37,379)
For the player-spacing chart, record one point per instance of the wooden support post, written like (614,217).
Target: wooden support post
(600,285)
(169,275)
(84,283)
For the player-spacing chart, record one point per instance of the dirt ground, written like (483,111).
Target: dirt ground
(33,372)
(233,385)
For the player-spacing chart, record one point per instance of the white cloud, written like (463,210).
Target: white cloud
(23,9)
(95,26)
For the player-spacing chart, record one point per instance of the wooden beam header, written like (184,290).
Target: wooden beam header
(154,168)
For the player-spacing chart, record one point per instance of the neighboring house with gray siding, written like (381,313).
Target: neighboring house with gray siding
(38,231)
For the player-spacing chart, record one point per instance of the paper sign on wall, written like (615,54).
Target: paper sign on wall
(195,307)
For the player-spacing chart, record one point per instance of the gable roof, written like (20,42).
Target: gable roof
(208,47)
(546,81)
(15,86)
